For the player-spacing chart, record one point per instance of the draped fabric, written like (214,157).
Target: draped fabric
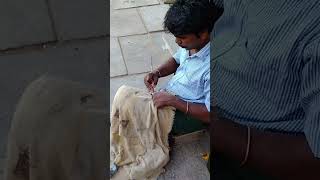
(139,134)
(58,132)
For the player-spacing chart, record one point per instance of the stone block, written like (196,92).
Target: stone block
(117,66)
(122,4)
(78,19)
(170,42)
(126,22)
(24,23)
(140,49)
(153,16)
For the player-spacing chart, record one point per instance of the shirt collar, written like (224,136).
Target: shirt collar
(203,51)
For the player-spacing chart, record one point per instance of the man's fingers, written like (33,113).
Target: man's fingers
(152,86)
(155,103)
(148,80)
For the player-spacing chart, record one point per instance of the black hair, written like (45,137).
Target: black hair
(191,17)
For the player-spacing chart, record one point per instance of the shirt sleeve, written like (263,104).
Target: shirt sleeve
(207,90)
(218,3)
(177,55)
(213,84)
(310,95)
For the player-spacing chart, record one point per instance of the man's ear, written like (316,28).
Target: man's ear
(204,35)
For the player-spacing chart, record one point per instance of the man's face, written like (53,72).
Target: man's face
(187,41)
(191,41)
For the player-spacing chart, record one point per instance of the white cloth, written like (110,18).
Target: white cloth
(139,134)
(58,132)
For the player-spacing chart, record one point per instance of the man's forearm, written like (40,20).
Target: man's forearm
(198,111)
(274,154)
(169,67)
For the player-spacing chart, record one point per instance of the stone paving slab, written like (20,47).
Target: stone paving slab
(137,53)
(117,66)
(126,22)
(5,125)
(153,16)
(186,161)
(170,42)
(122,4)
(140,49)
(24,23)
(160,48)
(75,19)
(1,166)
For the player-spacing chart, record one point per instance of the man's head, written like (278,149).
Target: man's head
(191,22)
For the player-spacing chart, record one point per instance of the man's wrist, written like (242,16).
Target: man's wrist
(157,73)
(174,101)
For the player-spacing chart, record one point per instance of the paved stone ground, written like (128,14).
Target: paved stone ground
(186,159)
(137,38)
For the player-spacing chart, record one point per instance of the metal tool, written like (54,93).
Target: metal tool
(151,69)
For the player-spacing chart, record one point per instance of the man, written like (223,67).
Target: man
(266,92)
(191,22)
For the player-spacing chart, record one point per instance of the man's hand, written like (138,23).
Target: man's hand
(199,111)
(162,99)
(169,67)
(151,80)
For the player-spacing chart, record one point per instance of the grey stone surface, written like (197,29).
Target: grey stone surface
(117,66)
(137,53)
(1,167)
(153,16)
(75,19)
(160,48)
(170,42)
(186,161)
(4,129)
(24,23)
(140,49)
(126,22)
(84,62)
(121,4)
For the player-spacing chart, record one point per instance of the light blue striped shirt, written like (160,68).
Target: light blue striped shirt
(266,66)
(191,81)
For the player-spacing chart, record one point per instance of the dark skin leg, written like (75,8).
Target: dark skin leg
(279,155)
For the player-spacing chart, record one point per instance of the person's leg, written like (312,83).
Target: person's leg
(224,168)
(184,124)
